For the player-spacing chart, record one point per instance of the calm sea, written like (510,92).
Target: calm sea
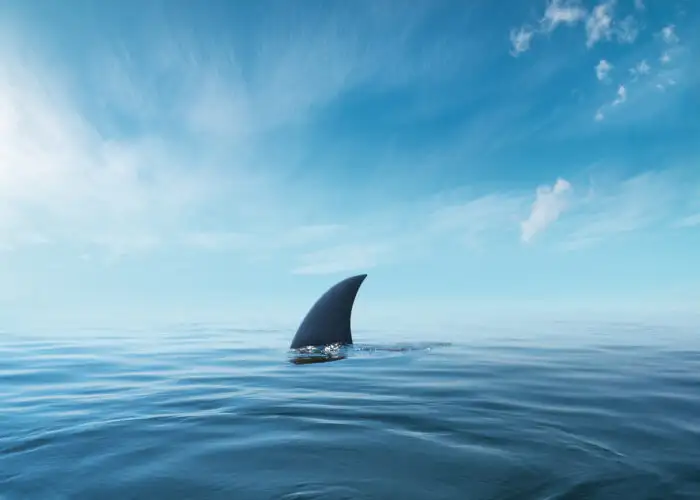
(557,411)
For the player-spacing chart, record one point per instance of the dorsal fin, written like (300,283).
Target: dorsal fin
(328,320)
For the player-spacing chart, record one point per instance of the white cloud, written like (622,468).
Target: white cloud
(520,40)
(67,176)
(602,69)
(562,12)
(128,154)
(599,23)
(642,68)
(639,5)
(627,30)
(549,204)
(599,115)
(621,95)
(668,34)
(557,12)
(61,179)
(648,84)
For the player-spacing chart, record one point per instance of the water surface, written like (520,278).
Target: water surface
(563,412)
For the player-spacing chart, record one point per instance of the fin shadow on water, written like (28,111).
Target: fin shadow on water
(325,333)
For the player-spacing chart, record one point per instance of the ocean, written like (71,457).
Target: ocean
(559,410)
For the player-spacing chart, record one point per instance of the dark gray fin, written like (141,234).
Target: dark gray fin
(328,320)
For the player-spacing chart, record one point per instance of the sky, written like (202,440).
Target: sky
(232,160)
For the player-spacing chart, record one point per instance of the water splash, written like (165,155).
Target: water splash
(337,352)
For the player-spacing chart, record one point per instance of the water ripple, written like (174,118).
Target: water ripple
(221,413)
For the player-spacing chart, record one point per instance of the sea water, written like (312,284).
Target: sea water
(557,411)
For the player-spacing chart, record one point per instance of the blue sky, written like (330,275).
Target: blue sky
(234,159)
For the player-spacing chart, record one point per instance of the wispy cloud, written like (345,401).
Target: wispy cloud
(520,40)
(599,24)
(62,180)
(602,26)
(557,12)
(211,159)
(689,221)
(168,135)
(562,12)
(645,79)
(473,221)
(262,241)
(549,204)
(173,145)
(221,241)
(611,209)
(668,34)
(342,258)
(602,208)
(642,68)
(621,96)
(627,30)
(691,209)
(602,69)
